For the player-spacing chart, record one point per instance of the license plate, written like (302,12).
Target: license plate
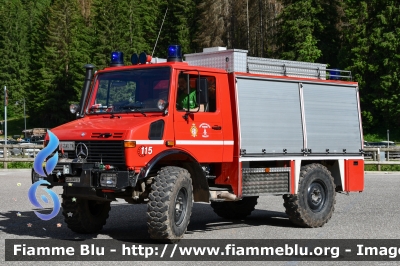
(67,145)
(72,179)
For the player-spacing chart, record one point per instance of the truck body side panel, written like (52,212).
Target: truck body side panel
(332,120)
(297,120)
(278,117)
(270,117)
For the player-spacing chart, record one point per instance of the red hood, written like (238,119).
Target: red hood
(88,128)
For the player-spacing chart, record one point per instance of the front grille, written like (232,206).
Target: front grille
(109,152)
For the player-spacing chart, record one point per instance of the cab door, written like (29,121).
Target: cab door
(200,131)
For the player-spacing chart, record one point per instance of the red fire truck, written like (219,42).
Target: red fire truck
(221,127)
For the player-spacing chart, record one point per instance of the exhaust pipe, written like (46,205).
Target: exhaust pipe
(223,195)
(85,89)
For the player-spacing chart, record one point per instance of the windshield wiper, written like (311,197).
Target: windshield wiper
(134,107)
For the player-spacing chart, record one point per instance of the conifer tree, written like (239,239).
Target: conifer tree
(126,26)
(212,23)
(263,18)
(45,43)
(296,37)
(14,53)
(371,49)
(59,76)
(179,22)
(241,24)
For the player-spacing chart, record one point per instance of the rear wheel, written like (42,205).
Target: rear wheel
(235,209)
(170,204)
(313,205)
(85,216)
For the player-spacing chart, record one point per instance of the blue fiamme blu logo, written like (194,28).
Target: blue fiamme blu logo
(42,155)
(43,171)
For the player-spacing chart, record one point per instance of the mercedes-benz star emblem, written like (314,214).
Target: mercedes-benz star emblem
(81,151)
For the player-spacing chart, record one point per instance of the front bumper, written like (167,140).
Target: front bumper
(88,175)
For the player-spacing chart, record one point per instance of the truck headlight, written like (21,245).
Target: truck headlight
(108,179)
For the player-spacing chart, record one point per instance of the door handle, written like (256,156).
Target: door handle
(216,127)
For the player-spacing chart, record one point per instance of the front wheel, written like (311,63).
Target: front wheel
(313,205)
(170,204)
(85,216)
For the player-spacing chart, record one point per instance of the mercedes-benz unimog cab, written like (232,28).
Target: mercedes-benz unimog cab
(241,127)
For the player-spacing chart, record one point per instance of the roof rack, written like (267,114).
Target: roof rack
(236,60)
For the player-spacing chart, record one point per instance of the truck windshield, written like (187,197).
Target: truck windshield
(134,90)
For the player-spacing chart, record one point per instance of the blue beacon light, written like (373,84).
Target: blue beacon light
(334,74)
(174,53)
(117,59)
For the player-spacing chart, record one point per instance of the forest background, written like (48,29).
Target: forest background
(44,45)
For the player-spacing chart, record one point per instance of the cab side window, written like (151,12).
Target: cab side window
(183,99)
(202,93)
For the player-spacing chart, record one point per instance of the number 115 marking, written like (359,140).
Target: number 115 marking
(147,150)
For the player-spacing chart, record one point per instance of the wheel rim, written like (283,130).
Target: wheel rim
(316,196)
(180,206)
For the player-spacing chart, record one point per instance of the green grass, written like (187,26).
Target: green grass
(18,165)
(373,137)
(386,168)
(394,135)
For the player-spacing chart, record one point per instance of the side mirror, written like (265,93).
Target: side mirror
(73,108)
(163,105)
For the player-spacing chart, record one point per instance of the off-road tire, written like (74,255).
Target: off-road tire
(85,216)
(314,203)
(234,210)
(170,204)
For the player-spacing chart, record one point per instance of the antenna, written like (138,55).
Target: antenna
(159,32)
